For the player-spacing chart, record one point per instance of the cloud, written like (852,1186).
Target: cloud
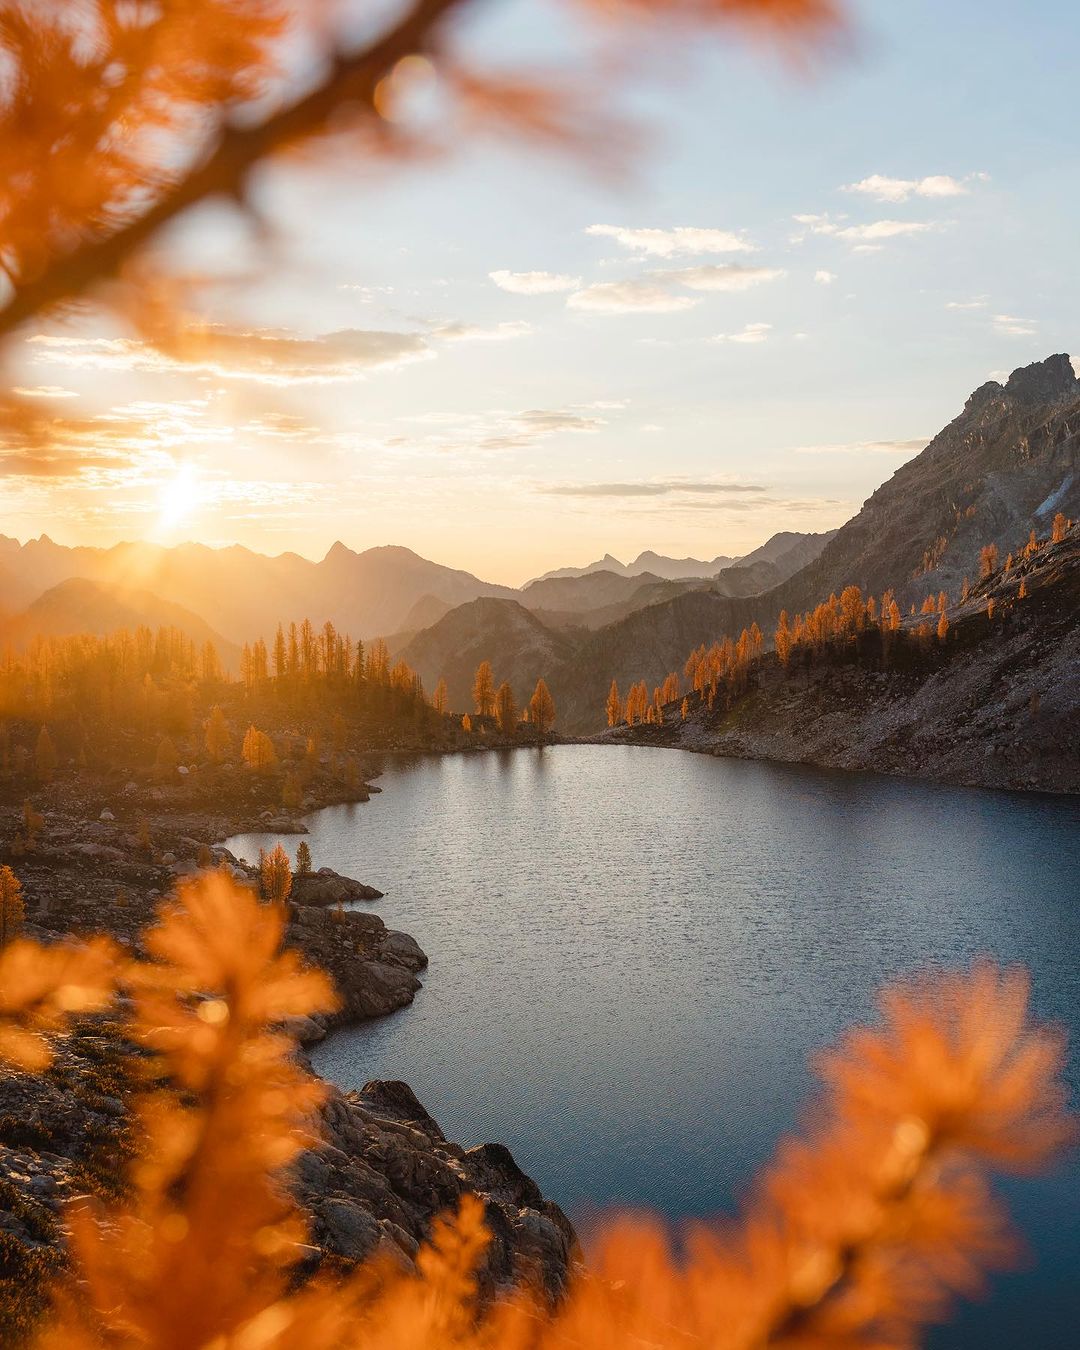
(534,283)
(720,277)
(823,277)
(264,357)
(651,488)
(668,243)
(979,303)
(751,333)
(471,332)
(867,236)
(49,391)
(909,447)
(629,297)
(1008,325)
(884,189)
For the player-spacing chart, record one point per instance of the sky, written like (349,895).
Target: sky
(511,359)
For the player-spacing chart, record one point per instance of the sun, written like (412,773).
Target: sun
(178,498)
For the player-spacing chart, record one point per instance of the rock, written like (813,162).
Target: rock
(347,1229)
(326,887)
(106,815)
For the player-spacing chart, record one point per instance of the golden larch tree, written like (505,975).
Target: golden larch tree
(218,735)
(258,750)
(613,707)
(506,709)
(303,858)
(275,875)
(12,910)
(988,559)
(541,709)
(440,698)
(483,690)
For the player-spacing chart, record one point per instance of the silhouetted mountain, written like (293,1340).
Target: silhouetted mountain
(519,647)
(244,594)
(80,606)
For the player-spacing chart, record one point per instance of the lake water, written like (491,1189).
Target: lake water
(635,951)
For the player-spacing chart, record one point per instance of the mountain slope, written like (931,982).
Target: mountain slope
(996,705)
(79,606)
(1002,467)
(519,647)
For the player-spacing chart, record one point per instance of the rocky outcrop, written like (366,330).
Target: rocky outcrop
(380,1174)
(385,1169)
(326,887)
(373,967)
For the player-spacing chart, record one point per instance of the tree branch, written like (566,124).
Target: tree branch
(352,80)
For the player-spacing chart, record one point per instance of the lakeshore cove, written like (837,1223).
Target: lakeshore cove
(634,954)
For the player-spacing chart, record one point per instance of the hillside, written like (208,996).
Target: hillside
(997,704)
(1003,467)
(80,606)
(519,647)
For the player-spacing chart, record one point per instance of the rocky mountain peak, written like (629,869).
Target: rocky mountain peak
(1046,381)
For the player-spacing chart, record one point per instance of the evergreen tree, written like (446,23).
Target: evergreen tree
(303,858)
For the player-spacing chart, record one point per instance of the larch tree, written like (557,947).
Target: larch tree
(988,559)
(943,626)
(12,909)
(1059,529)
(303,858)
(275,875)
(541,710)
(440,698)
(218,735)
(258,750)
(613,707)
(45,757)
(506,710)
(483,690)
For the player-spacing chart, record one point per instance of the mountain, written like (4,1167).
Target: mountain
(79,606)
(1004,466)
(244,594)
(669,569)
(519,647)
(579,594)
(996,705)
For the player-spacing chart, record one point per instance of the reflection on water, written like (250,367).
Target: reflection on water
(633,953)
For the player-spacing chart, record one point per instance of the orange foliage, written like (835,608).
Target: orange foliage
(855,1236)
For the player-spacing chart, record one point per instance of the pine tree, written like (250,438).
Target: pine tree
(303,858)
(506,709)
(541,709)
(45,757)
(613,706)
(483,690)
(12,909)
(218,735)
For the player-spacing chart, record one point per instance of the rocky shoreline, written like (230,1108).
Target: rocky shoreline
(383,1169)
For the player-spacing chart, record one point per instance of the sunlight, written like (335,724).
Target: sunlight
(178,498)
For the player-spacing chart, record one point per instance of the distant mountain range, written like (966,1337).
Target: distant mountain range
(1005,465)
(387,591)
